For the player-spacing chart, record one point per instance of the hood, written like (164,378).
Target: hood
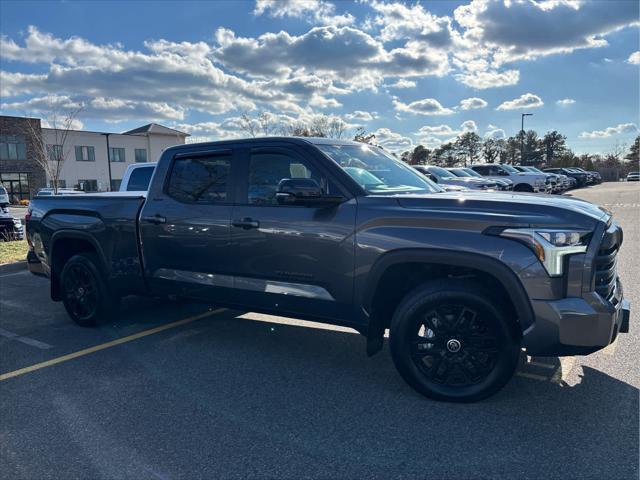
(510,208)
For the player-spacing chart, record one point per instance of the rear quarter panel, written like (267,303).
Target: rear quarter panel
(109,223)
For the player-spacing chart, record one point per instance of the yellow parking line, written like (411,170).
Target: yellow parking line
(103,346)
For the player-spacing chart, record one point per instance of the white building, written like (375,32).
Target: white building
(86,159)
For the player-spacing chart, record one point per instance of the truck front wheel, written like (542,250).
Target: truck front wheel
(86,297)
(451,342)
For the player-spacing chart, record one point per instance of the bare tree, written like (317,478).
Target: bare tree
(263,124)
(51,156)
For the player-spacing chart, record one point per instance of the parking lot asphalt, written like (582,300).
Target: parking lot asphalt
(169,390)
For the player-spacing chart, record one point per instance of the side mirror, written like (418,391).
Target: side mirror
(303,191)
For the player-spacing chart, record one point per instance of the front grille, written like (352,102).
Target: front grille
(606,263)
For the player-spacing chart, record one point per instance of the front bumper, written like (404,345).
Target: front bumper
(576,326)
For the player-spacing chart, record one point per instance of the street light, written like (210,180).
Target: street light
(522,136)
(108,158)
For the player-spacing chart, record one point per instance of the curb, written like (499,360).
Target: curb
(13,267)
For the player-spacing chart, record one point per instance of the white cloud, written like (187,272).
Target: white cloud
(611,131)
(432,131)
(426,106)
(565,102)
(345,54)
(392,141)
(108,109)
(528,100)
(403,83)
(472,103)
(634,58)
(489,79)
(361,116)
(165,81)
(317,11)
(494,132)
(398,21)
(515,30)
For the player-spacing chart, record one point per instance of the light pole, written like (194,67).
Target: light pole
(522,136)
(108,158)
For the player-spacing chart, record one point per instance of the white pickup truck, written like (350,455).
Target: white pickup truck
(137,177)
(522,182)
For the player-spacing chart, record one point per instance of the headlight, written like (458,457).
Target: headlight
(551,245)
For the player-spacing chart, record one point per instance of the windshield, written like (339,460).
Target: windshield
(510,169)
(441,173)
(472,173)
(459,172)
(376,172)
(3,191)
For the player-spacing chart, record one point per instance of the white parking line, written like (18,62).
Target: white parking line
(22,272)
(25,340)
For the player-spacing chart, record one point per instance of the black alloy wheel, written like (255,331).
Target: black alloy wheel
(452,341)
(85,295)
(80,292)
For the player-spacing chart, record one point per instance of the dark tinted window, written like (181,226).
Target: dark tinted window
(482,170)
(139,179)
(266,170)
(200,179)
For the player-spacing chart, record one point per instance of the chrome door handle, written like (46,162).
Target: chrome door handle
(155,219)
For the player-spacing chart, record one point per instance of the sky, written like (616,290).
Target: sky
(409,72)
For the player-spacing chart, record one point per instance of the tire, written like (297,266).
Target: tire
(523,187)
(85,295)
(473,346)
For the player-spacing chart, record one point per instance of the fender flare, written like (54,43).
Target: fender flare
(65,234)
(497,269)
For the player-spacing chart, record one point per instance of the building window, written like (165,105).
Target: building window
(141,155)
(88,185)
(115,184)
(12,147)
(61,183)
(17,185)
(85,154)
(116,154)
(55,153)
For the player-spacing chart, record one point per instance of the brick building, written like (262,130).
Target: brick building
(20,173)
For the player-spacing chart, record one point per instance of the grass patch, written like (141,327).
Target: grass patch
(11,252)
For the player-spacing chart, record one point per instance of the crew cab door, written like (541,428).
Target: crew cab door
(185,225)
(292,259)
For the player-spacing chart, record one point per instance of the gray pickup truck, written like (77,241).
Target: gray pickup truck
(341,233)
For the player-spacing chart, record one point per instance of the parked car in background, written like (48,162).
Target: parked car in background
(4,196)
(554,185)
(10,227)
(443,177)
(581,178)
(595,177)
(342,233)
(473,173)
(522,182)
(47,192)
(633,177)
(137,177)
(504,184)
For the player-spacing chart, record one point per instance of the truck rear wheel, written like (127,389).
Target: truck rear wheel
(86,297)
(450,342)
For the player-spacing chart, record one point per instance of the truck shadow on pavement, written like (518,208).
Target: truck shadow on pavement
(314,392)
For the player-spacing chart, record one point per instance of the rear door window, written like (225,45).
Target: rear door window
(139,179)
(201,179)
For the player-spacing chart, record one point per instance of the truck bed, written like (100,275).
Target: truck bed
(107,223)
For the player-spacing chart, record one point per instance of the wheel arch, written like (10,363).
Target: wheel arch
(409,265)
(65,244)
